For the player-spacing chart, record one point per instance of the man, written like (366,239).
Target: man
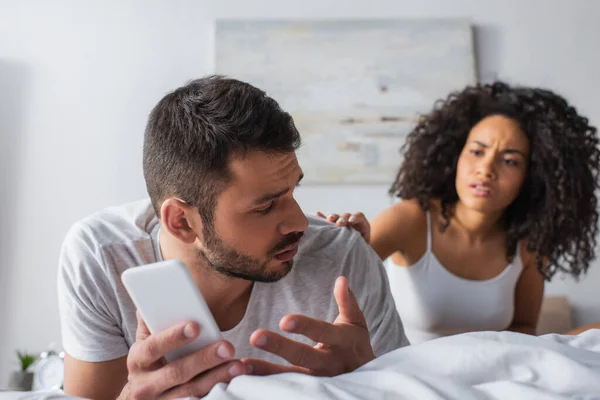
(220,167)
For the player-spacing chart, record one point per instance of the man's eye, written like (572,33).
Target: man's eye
(266,210)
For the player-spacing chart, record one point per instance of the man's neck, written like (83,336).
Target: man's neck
(226,297)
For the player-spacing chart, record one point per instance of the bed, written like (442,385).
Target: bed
(482,365)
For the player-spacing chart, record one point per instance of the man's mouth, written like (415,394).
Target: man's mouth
(289,252)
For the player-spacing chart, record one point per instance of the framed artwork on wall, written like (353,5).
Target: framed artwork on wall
(355,88)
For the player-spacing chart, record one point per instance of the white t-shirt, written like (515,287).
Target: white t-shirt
(98,318)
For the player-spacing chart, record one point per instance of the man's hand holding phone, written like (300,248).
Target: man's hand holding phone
(197,361)
(151,377)
(342,346)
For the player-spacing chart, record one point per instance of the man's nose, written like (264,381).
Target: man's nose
(295,221)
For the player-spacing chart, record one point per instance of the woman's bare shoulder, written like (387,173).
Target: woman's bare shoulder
(394,228)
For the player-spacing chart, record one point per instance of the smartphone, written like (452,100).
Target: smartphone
(165,294)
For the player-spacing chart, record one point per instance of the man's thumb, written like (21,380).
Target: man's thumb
(349,310)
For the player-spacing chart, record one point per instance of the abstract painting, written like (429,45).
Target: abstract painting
(354,88)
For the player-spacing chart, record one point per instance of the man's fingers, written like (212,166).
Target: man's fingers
(296,353)
(320,214)
(349,310)
(142,331)
(262,368)
(314,329)
(154,347)
(203,383)
(184,369)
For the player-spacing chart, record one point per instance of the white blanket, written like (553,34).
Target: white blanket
(486,365)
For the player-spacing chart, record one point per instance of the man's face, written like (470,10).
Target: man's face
(257,223)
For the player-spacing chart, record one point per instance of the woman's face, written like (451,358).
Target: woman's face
(493,164)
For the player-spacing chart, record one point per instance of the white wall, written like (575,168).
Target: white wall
(77,80)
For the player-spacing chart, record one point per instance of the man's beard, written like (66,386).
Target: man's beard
(228,261)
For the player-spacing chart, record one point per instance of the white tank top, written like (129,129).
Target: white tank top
(434,302)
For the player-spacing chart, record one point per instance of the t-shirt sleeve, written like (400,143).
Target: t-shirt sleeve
(90,330)
(369,283)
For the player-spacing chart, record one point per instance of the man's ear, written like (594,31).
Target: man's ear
(181,220)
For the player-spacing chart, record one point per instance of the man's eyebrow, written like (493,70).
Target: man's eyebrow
(272,196)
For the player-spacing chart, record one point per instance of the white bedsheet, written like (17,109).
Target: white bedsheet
(486,365)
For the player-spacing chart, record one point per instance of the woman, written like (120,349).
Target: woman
(498,186)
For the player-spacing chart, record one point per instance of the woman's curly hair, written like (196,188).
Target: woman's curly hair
(556,208)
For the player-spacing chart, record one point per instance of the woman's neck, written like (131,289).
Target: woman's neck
(475,226)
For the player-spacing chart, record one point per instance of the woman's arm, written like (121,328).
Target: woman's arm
(577,331)
(528,296)
(390,231)
(397,227)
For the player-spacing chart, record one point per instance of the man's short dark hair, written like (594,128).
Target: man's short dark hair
(193,132)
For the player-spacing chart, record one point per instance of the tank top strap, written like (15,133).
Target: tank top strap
(518,253)
(428,216)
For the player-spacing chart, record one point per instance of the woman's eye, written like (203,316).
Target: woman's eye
(476,152)
(511,162)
